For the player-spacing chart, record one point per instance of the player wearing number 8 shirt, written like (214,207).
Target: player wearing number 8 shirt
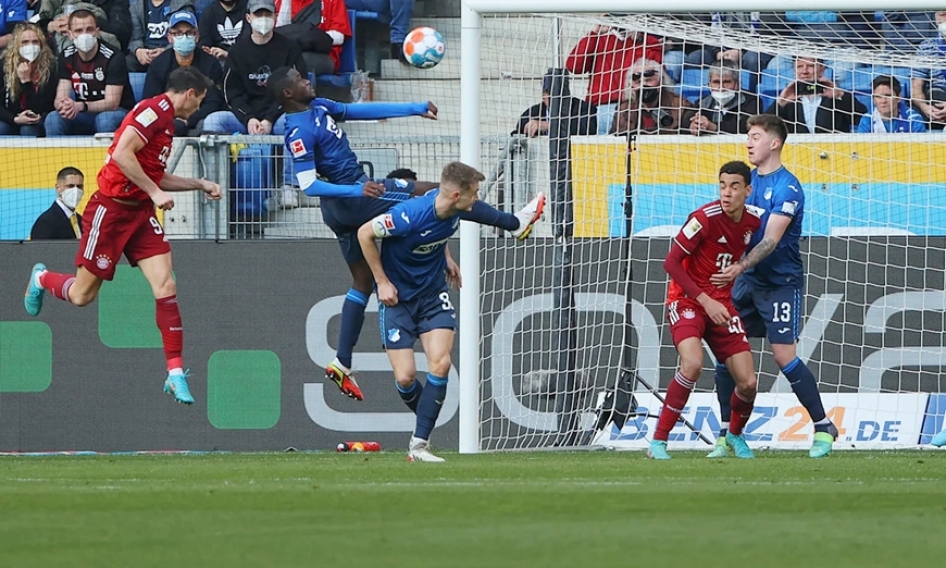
(412,275)
(713,237)
(120,217)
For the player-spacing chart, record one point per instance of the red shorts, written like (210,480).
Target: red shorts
(688,319)
(110,228)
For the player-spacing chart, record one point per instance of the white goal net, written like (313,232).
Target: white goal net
(641,113)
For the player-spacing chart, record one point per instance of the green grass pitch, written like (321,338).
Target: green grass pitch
(516,509)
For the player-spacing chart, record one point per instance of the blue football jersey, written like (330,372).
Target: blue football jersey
(314,140)
(412,250)
(778,193)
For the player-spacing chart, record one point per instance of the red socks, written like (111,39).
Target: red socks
(741,411)
(168,317)
(677,395)
(57,284)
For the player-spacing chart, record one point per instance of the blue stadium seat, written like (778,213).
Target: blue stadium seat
(137,81)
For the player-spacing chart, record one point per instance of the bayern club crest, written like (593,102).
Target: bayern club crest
(747,237)
(102,261)
(689,314)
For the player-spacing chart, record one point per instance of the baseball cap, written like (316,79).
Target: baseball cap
(182,16)
(254,5)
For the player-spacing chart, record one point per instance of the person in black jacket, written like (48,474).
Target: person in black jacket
(726,110)
(29,83)
(581,115)
(829,109)
(221,25)
(183,37)
(250,62)
(61,221)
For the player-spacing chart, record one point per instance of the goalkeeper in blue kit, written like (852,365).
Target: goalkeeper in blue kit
(319,148)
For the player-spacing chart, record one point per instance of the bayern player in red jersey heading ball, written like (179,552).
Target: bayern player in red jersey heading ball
(713,237)
(120,217)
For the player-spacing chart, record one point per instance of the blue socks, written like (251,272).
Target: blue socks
(428,409)
(411,396)
(353,317)
(806,389)
(725,386)
(486,214)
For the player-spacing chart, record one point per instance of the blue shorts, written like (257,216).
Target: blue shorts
(769,312)
(403,323)
(345,215)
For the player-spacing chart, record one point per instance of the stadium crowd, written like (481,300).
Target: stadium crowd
(69,67)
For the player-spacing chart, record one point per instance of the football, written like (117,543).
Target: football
(424,47)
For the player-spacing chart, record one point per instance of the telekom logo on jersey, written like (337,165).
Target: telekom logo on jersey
(500,366)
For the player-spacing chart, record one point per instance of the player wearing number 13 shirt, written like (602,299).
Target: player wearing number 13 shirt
(713,237)
(120,218)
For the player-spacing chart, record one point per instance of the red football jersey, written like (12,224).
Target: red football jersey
(153,120)
(713,242)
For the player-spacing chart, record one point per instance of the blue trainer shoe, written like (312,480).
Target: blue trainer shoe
(939,440)
(177,385)
(658,450)
(739,446)
(823,442)
(33,299)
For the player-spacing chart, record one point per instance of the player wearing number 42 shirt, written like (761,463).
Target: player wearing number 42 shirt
(120,217)
(713,236)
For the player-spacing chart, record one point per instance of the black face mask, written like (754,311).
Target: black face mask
(228,3)
(650,94)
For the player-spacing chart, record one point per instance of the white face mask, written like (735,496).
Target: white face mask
(71,197)
(263,24)
(723,97)
(85,42)
(942,29)
(29,52)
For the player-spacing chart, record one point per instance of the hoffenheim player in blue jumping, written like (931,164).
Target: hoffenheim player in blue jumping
(412,276)
(350,199)
(769,292)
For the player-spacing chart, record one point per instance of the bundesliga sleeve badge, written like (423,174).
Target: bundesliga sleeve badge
(297,147)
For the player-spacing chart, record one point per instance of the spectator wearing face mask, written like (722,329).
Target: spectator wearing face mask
(606,53)
(183,38)
(727,108)
(651,106)
(61,221)
(93,94)
(29,83)
(250,62)
(149,32)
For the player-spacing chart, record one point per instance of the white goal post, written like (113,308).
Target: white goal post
(906,295)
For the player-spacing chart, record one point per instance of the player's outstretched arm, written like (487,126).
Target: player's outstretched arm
(379,111)
(774,230)
(375,228)
(171,182)
(124,156)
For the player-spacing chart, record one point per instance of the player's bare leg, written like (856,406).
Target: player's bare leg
(79,289)
(691,364)
(157,271)
(805,387)
(405,372)
(437,346)
(353,318)
(742,401)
